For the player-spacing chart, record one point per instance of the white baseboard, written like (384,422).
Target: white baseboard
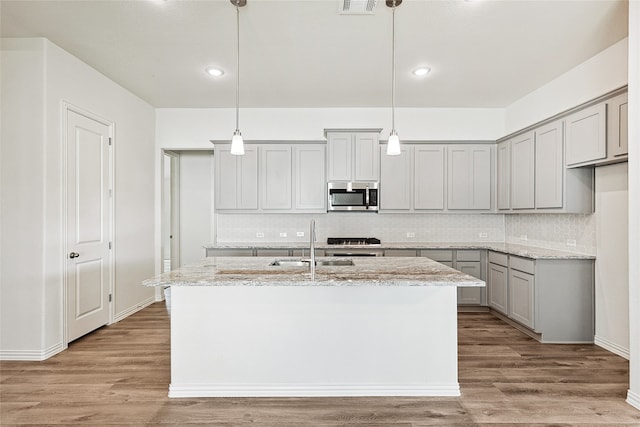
(611,346)
(128,312)
(31,355)
(633,399)
(311,390)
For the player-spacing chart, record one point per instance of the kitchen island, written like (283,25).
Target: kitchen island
(381,327)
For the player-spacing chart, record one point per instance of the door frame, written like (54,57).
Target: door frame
(67,107)
(175,207)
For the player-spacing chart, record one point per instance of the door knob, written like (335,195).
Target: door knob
(74,255)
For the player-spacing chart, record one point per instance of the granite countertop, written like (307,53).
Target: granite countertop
(256,271)
(507,248)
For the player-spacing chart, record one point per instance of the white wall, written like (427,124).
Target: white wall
(612,266)
(196,208)
(32,145)
(598,75)
(75,82)
(633,396)
(22,194)
(193,128)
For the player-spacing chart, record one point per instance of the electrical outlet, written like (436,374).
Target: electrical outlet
(571,242)
(523,237)
(259,234)
(411,234)
(299,233)
(483,235)
(283,234)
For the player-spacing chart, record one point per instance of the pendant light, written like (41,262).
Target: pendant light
(393,144)
(237,144)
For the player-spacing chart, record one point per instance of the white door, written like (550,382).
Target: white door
(88,222)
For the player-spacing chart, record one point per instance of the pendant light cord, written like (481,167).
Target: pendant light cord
(238,68)
(393,69)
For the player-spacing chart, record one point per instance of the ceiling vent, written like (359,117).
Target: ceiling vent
(357,7)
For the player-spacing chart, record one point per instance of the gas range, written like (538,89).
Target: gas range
(357,246)
(353,241)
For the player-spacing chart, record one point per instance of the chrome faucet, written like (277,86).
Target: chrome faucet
(312,248)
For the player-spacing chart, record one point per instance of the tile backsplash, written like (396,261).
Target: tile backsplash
(553,231)
(567,232)
(387,227)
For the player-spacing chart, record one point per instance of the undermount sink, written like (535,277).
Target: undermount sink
(306,262)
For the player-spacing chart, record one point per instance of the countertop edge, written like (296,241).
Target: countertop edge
(532,252)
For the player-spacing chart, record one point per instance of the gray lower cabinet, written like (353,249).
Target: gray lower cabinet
(521,297)
(466,261)
(400,252)
(229,252)
(552,297)
(497,279)
(471,295)
(274,252)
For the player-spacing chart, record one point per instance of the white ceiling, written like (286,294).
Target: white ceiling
(304,54)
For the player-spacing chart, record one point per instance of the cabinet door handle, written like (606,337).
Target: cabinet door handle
(74,255)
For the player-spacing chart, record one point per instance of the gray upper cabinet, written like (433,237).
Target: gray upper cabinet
(532,173)
(352,156)
(309,177)
(549,166)
(469,177)
(395,180)
(291,178)
(523,171)
(433,177)
(365,156)
(340,149)
(275,177)
(586,133)
(618,127)
(236,179)
(503,172)
(429,177)
(598,135)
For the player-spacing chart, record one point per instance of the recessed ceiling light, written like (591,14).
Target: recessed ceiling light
(215,72)
(422,71)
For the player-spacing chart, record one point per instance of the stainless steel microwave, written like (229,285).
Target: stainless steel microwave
(352,196)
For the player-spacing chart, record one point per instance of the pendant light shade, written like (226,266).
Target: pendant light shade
(393,144)
(237,143)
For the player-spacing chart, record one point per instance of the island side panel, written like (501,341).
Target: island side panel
(313,341)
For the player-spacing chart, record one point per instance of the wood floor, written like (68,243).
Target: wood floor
(119,375)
